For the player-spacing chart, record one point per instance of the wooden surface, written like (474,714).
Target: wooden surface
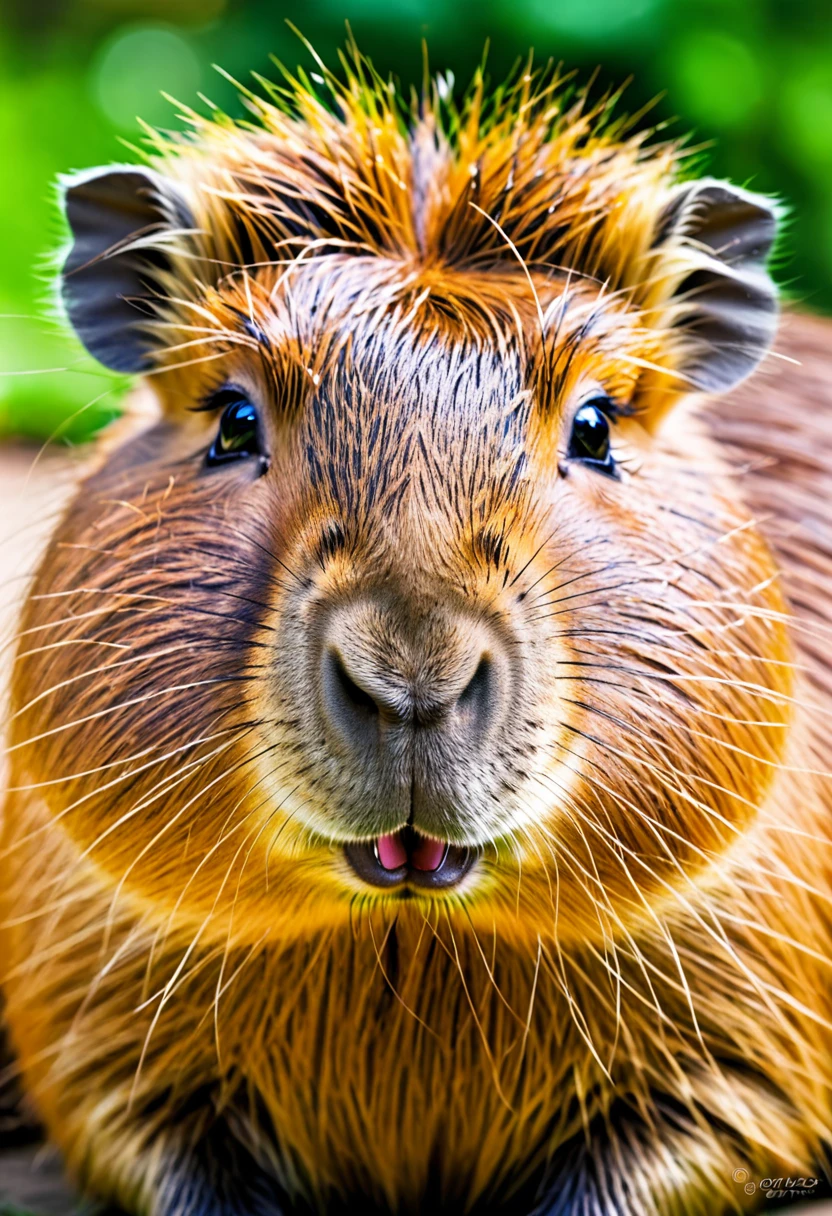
(32,491)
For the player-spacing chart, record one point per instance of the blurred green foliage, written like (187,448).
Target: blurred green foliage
(753,76)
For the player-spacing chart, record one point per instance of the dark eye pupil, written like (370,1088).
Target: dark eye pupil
(238,427)
(239,430)
(590,439)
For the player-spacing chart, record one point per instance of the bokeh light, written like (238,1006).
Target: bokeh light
(136,66)
(719,80)
(597,22)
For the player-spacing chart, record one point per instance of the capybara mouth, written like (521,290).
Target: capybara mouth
(408,857)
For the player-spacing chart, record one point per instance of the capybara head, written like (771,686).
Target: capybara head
(425,588)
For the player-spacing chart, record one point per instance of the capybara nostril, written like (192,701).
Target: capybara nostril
(477,700)
(349,707)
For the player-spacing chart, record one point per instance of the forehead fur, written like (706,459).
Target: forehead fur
(469,214)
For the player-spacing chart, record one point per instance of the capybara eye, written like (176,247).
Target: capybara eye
(239,430)
(590,438)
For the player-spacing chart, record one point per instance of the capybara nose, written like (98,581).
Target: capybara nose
(361,705)
(387,675)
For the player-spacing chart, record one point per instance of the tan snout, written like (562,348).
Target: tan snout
(410,699)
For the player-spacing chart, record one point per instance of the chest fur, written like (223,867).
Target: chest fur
(411,1057)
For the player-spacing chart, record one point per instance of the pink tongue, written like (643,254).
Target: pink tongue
(428,855)
(424,854)
(391,852)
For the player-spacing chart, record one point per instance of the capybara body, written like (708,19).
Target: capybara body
(419,732)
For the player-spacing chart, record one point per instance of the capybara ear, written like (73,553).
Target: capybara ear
(713,241)
(124,221)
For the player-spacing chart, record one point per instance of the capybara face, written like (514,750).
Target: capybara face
(424,585)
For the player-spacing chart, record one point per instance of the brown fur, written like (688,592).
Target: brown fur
(641,962)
